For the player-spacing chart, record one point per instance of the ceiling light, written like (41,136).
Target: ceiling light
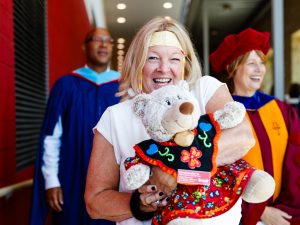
(121,6)
(167,18)
(167,5)
(120,46)
(121,40)
(120,58)
(121,52)
(121,20)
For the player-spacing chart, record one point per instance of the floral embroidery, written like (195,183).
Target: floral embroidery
(191,157)
(184,195)
(205,201)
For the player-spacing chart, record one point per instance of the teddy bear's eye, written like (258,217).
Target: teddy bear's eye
(179,97)
(168,102)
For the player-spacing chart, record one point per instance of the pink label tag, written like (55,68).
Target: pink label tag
(191,177)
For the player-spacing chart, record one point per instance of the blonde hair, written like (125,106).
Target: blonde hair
(232,68)
(136,55)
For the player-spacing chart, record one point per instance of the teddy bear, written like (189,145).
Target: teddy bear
(184,144)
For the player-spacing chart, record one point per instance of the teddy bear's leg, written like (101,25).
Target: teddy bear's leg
(185,221)
(260,187)
(232,114)
(136,176)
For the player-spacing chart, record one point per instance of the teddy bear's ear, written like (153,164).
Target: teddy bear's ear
(139,103)
(183,84)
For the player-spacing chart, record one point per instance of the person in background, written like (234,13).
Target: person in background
(293,97)
(275,124)
(160,54)
(76,103)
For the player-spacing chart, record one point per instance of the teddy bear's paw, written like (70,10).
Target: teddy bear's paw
(136,176)
(232,115)
(185,221)
(260,187)
(184,138)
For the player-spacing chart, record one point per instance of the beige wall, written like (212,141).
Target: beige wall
(291,25)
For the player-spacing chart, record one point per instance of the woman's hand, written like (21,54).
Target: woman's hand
(151,199)
(164,182)
(274,216)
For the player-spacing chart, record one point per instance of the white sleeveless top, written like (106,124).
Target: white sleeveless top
(123,129)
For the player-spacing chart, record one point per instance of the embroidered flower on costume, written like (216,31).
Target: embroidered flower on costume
(210,205)
(218,182)
(239,191)
(176,198)
(185,195)
(158,217)
(191,157)
(214,194)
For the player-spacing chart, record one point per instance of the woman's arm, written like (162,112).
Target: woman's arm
(102,199)
(235,142)
(101,195)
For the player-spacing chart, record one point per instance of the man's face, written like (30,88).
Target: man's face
(98,48)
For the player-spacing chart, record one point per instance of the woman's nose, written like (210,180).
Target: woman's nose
(164,66)
(260,67)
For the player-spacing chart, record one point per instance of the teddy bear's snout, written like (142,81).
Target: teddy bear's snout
(186,108)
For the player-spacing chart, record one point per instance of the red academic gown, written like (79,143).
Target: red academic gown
(276,127)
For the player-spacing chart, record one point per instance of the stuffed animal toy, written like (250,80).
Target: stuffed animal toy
(184,143)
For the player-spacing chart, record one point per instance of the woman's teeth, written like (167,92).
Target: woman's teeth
(162,80)
(255,78)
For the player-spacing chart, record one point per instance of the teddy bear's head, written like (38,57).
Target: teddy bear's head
(167,111)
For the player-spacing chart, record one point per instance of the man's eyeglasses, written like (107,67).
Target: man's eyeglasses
(103,38)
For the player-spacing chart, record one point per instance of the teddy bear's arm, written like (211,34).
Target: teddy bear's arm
(136,174)
(232,115)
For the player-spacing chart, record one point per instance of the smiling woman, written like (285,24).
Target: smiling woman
(249,75)
(275,124)
(160,54)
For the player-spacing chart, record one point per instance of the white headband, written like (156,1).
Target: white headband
(166,38)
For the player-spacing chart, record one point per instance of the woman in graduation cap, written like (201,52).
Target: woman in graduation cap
(240,59)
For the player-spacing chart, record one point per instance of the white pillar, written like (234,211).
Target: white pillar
(96,13)
(278,44)
(205,32)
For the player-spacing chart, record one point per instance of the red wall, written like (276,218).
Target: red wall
(67,25)
(7,95)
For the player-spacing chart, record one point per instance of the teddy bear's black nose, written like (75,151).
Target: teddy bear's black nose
(186,108)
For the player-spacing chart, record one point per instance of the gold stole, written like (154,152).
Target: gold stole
(274,124)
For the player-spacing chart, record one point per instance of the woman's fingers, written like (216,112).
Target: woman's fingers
(150,198)
(164,182)
(147,189)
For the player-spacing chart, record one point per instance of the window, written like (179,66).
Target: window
(30,77)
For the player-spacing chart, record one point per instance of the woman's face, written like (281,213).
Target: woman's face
(163,66)
(249,76)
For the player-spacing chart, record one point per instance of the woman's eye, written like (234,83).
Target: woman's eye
(176,59)
(153,58)
(262,62)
